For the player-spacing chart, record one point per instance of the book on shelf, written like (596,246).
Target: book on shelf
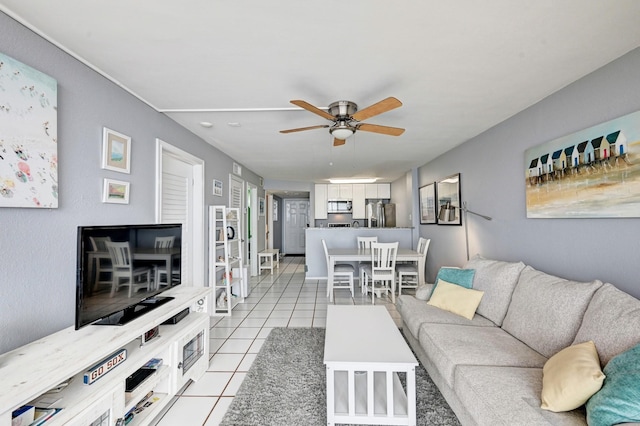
(43,415)
(23,416)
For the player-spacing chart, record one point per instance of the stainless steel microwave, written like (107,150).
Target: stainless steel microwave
(339,206)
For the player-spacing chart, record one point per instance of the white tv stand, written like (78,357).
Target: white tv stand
(27,373)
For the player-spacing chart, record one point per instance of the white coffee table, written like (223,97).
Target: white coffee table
(363,354)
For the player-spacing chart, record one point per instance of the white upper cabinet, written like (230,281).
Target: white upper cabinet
(378,191)
(343,191)
(321,198)
(358,205)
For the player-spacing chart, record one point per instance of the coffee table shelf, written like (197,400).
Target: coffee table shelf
(363,368)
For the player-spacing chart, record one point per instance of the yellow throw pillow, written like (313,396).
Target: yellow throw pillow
(571,377)
(456,299)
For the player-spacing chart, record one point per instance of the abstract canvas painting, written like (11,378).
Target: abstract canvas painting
(593,173)
(28,136)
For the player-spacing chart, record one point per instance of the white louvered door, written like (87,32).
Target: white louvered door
(177,200)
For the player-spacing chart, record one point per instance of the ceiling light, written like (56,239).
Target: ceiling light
(356,180)
(233,124)
(342,130)
(206,124)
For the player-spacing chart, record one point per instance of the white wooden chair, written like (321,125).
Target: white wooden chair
(104,269)
(382,270)
(408,273)
(160,272)
(123,269)
(342,275)
(364,243)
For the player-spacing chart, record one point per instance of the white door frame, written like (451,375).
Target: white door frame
(253,189)
(197,164)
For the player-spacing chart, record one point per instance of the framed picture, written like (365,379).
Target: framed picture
(260,206)
(428,204)
(592,173)
(275,211)
(116,151)
(217,188)
(115,191)
(448,190)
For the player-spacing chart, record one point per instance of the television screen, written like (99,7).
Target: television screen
(123,268)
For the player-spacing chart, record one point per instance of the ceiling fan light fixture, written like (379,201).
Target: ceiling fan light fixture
(342,130)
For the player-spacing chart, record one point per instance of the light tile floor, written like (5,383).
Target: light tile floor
(284,299)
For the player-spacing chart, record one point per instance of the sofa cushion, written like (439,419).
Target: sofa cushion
(508,396)
(456,299)
(571,377)
(497,279)
(619,399)
(461,277)
(546,311)
(449,346)
(612,321)
(416,312)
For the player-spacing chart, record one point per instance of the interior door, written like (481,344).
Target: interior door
(180,199)
(296,219)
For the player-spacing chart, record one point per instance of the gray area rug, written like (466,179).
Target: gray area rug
(286,385)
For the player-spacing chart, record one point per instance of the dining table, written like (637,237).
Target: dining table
(340,255)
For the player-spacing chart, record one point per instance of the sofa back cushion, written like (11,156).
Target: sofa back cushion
(496,279)
(612,321)
(546,311)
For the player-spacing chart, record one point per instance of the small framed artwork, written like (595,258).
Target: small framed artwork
(448,190)
(428,204)
(217,188)
(116,151)
(260,206)
(115,191)
(275,211)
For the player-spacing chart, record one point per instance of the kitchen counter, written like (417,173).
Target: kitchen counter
(346,238)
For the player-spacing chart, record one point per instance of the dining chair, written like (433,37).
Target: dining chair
(124,269)
(408,273)
(103,266)
(160,271)
(381,270)
(364,243)
(342,275)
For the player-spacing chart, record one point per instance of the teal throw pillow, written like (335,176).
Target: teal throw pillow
(461,277)
(619,399)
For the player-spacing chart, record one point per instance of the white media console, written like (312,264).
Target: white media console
(28,374)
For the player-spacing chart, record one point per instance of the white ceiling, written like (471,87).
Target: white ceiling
(459,67)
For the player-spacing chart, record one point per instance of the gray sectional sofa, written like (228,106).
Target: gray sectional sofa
(489,368)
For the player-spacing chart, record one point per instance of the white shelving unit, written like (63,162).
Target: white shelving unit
(29,373)
(225,254)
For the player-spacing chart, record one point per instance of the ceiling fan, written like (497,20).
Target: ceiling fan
(347,119)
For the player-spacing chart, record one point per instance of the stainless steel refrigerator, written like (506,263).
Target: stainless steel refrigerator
(381,215)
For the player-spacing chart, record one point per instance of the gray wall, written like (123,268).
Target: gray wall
(38,246)
(492,183)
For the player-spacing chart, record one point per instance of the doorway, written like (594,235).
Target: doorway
(180,199)
(296,221)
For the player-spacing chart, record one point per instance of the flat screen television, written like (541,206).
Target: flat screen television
(109,293)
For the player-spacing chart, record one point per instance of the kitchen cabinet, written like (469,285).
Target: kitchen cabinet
(321,198)
(343,191)
(378,191)
(358,203)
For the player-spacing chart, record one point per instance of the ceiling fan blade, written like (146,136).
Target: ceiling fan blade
(301,129)
(313,109)
(385,130)
(377,108)
(338,142)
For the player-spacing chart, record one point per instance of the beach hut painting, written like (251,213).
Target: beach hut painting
(593,173)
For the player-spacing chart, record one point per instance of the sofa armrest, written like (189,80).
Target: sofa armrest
(424,291)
